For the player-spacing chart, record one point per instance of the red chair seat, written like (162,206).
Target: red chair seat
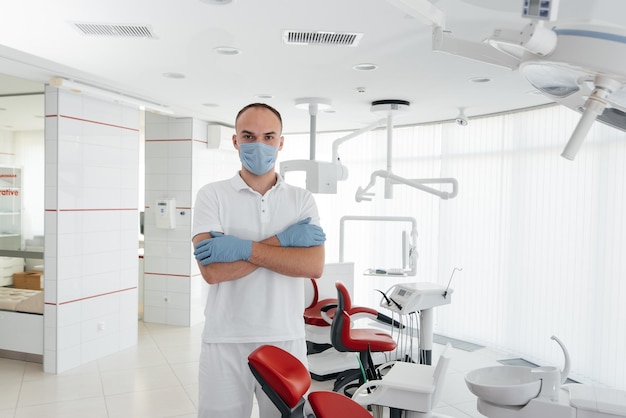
(361,339)
(326,404)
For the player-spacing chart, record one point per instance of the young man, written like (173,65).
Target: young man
(256,238)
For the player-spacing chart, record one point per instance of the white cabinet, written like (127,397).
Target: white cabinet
(8,266)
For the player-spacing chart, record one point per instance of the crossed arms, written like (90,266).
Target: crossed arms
(298,252)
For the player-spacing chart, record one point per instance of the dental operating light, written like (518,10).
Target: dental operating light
(578,64)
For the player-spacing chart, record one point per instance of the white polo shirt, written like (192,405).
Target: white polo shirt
(263,306)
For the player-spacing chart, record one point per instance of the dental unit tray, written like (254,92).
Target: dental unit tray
(406,298)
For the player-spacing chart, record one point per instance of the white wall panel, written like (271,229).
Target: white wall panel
(538,237)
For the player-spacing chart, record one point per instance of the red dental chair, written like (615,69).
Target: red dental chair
(364,341)
(286,380)
(325,363)
(317,318)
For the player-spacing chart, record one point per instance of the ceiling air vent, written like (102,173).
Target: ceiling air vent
(293,37)
(112,29)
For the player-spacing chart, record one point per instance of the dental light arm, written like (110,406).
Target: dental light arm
(339,141)
(321,176)
(443,41)
(420,184)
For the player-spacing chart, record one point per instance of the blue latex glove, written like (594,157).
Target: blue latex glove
(302,234)
(222,249)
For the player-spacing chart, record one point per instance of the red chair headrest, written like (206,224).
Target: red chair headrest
(283,372)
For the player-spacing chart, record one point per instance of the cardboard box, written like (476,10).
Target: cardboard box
(30,279)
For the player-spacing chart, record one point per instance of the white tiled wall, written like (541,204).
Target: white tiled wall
(91,218)
(173,294)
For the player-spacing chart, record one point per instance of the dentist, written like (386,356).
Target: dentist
(256,238)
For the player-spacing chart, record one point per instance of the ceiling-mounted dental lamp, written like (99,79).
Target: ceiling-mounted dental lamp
(321,176)
(578,64)
(586,71)
(391,107)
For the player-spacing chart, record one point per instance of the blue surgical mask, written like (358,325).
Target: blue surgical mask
(257,157)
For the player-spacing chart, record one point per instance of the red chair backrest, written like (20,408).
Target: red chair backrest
(346,339)
(340,328)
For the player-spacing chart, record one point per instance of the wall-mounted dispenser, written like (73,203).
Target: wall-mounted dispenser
(166,213)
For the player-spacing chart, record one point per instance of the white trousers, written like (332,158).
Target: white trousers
(226,384)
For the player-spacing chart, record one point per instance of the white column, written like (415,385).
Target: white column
(173,289)
(91,226)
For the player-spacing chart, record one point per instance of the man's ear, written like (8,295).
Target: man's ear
(235,144)
(282,140)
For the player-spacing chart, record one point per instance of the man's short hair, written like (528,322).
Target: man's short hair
(263,106)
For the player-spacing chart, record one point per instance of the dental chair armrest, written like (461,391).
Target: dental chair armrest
(363,311)
(388,320)
(324,312)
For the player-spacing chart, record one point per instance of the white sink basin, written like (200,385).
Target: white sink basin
(504,385)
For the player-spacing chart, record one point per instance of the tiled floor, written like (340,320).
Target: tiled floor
(158,378)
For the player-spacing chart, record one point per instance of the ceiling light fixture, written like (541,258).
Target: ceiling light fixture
(227,50)
(176,76)
(76,87)
(217,2)
(365,67)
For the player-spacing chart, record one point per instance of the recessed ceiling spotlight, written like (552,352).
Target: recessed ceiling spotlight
(2,108)
(176,76)
(461,119)
(480,80)
(210,104)
(263,96)
(365,67)
(217,2)
(227,50)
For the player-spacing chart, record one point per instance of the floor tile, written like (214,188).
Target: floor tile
(135,380)
(59,389)
(160,403)
(81,408)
